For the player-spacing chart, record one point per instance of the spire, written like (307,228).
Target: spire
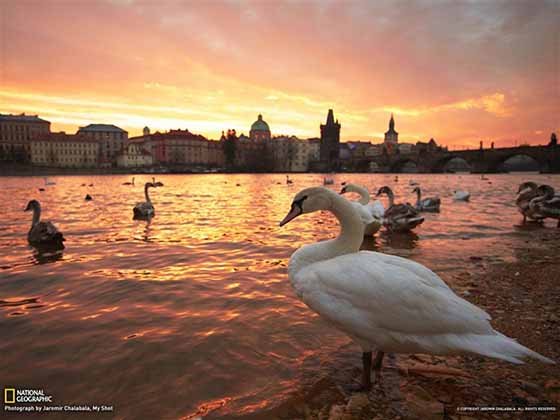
(392,123)
(330,117)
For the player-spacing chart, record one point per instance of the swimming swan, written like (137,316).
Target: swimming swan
(146,209)
(42,233)
(459,195)
(430,204)
(386,302)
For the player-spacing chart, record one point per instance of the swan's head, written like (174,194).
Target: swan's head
(545,191)
(149,185)
(384,190)
(308,201)
(526,185)
(32,205)
(350,188)
(416,190)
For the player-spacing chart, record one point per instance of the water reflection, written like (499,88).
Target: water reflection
(197,300)
(45,254)
(400,240)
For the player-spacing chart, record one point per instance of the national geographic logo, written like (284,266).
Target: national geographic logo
(13,395)
(9,395)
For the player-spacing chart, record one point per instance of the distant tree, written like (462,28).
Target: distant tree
(230,146)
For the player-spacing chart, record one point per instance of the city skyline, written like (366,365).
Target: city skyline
(458,72)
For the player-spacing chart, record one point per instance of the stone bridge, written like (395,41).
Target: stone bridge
(479,160)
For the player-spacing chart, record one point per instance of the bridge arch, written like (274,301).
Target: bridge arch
(451,163)
(404,165)
(521,159)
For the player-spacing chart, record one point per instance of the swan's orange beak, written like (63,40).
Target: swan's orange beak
(295,211)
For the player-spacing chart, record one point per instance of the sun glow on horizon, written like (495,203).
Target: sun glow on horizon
(459,83)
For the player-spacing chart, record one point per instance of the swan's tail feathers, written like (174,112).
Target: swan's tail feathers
(502,347)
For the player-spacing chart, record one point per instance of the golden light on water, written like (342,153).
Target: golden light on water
(199,298)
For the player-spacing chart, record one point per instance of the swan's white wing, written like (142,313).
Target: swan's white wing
(376,209)
(364,213)
(365,294)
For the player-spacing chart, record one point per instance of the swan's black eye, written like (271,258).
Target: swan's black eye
(299,202)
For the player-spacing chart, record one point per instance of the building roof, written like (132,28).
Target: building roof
(22,118)
(102,127)
(260,125)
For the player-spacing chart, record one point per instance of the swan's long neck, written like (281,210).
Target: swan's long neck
(418,196)
(364,194)
(36,216)
(348,241)
(391,197)
(146,194)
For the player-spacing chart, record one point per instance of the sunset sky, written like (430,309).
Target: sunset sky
(459,71)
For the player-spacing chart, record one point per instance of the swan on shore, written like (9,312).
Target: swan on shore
(145,210)
(370,213)
(385,302)
(525,193)
(42,233)
(399,217)
(546,203)
(430,204)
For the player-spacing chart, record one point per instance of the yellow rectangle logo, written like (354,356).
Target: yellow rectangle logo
(7,393)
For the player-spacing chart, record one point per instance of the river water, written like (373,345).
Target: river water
(192,315)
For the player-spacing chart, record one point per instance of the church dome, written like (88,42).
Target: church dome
(260,125)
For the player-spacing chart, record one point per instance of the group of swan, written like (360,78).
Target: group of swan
(384,302)
(538,202)
(397,217)
(45,234)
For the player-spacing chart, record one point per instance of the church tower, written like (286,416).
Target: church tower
(330,142)
(391,137)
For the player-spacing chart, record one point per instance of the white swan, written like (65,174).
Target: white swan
(146,209)
(42,233)
(460,195)
(383,301)
(370,213)
(430,204)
